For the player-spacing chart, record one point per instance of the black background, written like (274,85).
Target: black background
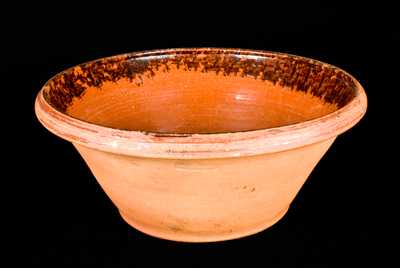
(60,215)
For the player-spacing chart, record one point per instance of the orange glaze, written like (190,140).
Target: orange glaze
(181,101)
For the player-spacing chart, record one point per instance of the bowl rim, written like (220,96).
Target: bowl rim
(200,146)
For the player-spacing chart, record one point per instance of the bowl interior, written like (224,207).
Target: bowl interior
(199,91)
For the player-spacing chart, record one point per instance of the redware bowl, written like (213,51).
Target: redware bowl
(201,144)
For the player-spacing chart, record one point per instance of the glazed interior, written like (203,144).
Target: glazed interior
(199,91)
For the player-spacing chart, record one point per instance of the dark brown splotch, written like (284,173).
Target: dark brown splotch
(72,83)
(296,73)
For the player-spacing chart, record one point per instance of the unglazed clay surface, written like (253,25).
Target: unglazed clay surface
(203,199)
(201,144)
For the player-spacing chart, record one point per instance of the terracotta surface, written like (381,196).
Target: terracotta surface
(201,144)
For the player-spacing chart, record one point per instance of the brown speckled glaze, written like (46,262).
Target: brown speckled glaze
(201,144)
(294,72)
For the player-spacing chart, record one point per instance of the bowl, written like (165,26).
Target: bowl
(201,144)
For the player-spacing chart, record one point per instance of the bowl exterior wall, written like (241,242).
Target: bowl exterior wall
(201,200)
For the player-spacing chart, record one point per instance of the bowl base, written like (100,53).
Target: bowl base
(197,238)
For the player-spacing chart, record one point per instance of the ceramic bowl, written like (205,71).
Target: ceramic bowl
(201,144)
